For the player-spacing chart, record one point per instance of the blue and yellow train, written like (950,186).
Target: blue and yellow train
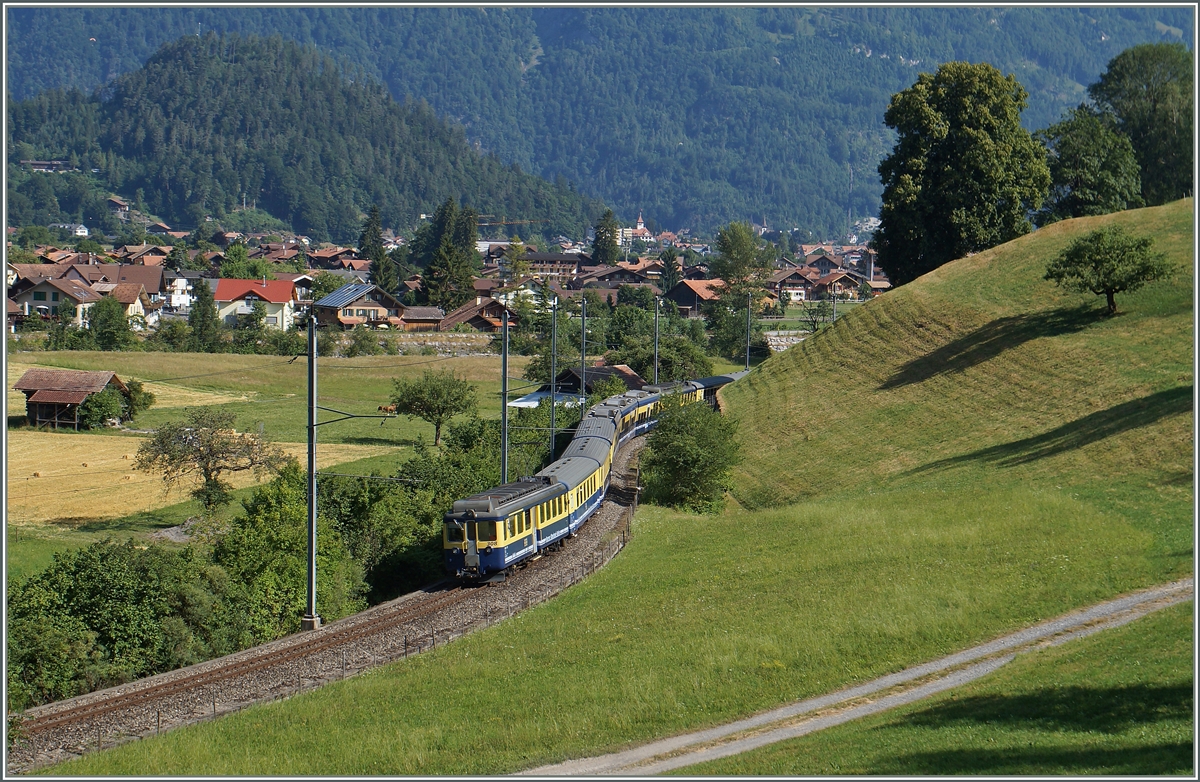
(489,532)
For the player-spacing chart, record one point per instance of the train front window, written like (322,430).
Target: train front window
(487,531)
(454,533)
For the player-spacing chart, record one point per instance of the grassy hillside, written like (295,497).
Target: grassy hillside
(984,377)
(911,491)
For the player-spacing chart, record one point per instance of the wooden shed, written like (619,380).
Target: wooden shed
(53,396)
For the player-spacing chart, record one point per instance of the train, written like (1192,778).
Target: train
(486,534)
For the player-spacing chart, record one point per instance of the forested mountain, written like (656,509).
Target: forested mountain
(696,116)
(210,119)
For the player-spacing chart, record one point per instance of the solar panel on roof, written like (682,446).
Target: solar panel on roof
(345,294)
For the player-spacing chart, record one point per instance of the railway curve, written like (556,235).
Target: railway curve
(407,625)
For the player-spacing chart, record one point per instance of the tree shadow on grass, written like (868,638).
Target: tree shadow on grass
(992,339)
(1151,760)
(1067,709)
(391,442)
(1078,433)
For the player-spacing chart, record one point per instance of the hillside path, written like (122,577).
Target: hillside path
(907,686)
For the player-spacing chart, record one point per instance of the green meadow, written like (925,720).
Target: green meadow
(1117,703)
(962,457)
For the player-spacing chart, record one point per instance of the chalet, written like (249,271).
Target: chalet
(118,207)
(359,303)
(483,316)
(44,297)
(159,229)
(607,277)
(793,282)
(134,298)
(555,266)
(227,238)
(53,396)
(825,264)
(150,277)
(330,258)
(238,297)
(835,284)
(691,295)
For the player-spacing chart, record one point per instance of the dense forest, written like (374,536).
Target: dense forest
(209,120)
(695,116)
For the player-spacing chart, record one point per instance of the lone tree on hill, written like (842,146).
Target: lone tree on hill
(205,444)
(1107,262)
(435,397)
(963,175)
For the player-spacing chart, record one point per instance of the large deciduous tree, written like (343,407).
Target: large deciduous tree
(435,397)
(1093,170)
(1148,88)
(963,175)
(1107,262)
(205,445)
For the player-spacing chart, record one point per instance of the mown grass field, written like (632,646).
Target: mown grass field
(72,505)
(1118,703)
(963,457)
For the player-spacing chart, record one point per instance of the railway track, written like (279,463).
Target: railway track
(408,625)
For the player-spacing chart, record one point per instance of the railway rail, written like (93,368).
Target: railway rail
(408,625)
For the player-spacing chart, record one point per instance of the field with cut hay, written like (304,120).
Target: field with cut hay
(68,478)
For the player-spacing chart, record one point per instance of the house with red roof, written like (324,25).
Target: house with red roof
(238,297)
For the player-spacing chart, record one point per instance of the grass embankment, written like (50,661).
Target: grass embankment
(1011,457)
(1118,703)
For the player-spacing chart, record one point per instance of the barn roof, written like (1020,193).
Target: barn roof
(59,397)
(66,380)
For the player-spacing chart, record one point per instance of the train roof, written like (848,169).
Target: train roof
(571,472)
(596,448)
(718,380)
(509,496)
(595,426)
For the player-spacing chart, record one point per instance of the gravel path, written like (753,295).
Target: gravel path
(906,686)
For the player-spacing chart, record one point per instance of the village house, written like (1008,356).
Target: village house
(44,296)
(359,304)
(485,316)
(75,229)
(179,293)
(53,396)
(238,297)
(691,295)
(793,282)
(135,300)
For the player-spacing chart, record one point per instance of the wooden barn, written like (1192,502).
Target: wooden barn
(53,396)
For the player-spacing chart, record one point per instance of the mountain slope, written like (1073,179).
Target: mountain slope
(697,116)
(210,119)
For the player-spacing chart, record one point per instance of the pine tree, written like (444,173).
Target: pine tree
(206,328)
(605,248)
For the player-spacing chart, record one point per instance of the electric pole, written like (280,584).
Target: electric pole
(748,295)
(504,399)
(583,349)
(310,620)
(657,307)
(553,368)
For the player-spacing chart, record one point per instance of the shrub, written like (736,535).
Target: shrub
(689,458)
(99,408)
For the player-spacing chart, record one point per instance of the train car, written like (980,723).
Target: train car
(487,533)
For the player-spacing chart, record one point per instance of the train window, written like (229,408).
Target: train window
(487,531)
(511,526)
(454,533)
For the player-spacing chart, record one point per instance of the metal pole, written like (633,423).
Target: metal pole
(583,348)
(748,295)
(311,621)
(504,400)
(553,369)
(657,307)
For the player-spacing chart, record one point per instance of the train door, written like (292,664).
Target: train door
(471,549)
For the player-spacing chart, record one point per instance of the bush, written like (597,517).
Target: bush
(689,458)
(363,342)
(99,408)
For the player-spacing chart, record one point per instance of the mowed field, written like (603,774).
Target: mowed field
(963,457)
(72,479)
(66,489)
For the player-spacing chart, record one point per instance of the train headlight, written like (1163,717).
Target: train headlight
(487,550)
